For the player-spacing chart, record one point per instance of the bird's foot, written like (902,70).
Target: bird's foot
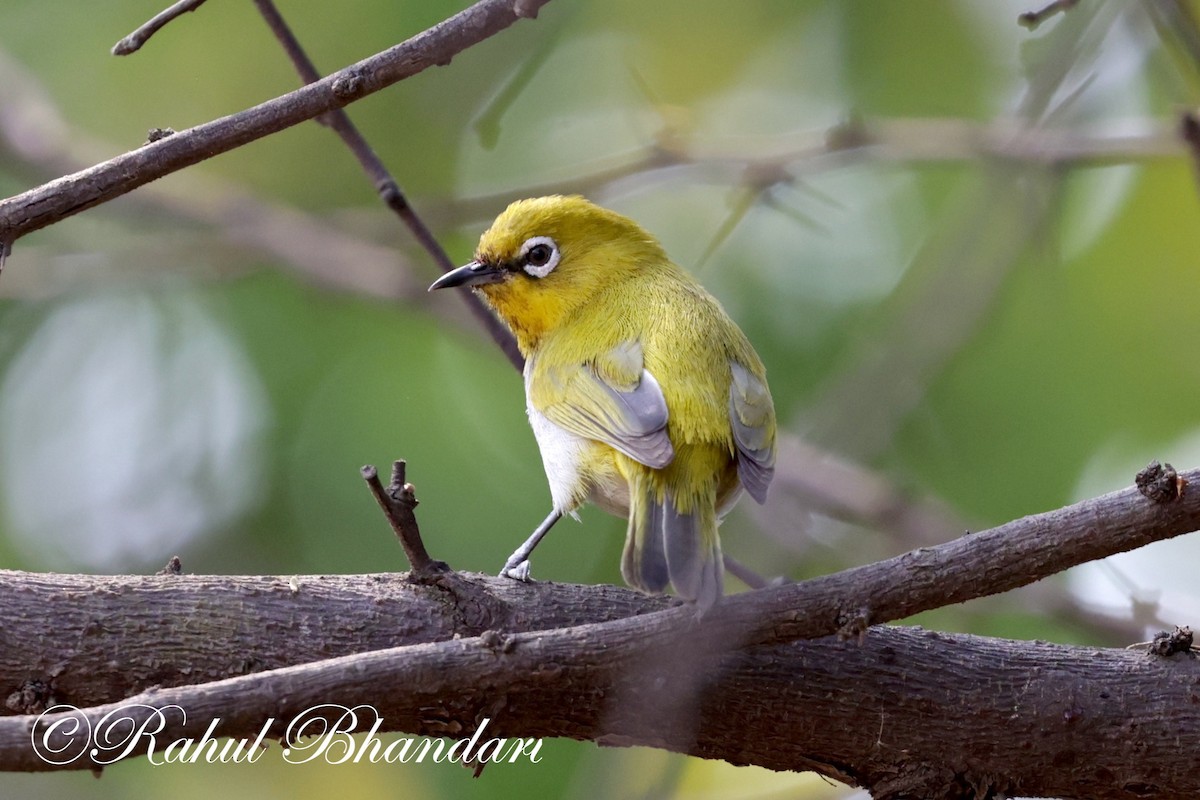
(518,571)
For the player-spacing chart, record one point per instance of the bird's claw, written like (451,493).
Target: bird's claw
(518,572)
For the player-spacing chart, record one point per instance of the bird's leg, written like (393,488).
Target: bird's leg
(749,576)
(517,566)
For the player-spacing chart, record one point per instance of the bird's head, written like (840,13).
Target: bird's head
(544,258)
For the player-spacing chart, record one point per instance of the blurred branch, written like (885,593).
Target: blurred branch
(387,187)
(1032,19)
(607,664)
(817,481)
(733,161)
(59,199)
(826,483)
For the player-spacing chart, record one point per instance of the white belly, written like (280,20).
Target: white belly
(578,469)
(563,458)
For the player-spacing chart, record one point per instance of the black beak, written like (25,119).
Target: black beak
(474,274)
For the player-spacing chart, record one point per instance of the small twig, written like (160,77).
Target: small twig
(387,187)
(134,41)
(398,502)
(1031,19)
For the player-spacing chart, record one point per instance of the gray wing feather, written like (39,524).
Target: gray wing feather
(755,441)
(633,421)
(641,432)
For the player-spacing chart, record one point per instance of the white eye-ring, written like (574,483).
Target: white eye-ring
(539,256)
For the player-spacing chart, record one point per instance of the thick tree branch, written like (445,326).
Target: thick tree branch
(651,673)
(909,713)
(54,201)
(975,565)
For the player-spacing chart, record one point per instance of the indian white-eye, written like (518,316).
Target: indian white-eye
(644,396)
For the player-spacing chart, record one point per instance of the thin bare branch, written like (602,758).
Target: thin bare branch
(59,199)
(240,226)
(134,41)
(387,187)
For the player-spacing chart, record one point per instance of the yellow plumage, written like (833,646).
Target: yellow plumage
(644,396)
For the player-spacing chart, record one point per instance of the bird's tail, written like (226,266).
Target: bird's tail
(666,544)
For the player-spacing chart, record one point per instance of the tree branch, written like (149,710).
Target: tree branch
(909,713)
(630,669)
(387,187)
(134,41)
(54,201)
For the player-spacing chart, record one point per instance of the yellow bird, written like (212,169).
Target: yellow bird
(644,396)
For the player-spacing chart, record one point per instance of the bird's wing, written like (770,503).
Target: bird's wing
(611,399)
(752,416)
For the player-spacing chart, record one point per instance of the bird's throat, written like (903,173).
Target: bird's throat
(529,315)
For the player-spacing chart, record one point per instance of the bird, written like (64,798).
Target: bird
(644,396)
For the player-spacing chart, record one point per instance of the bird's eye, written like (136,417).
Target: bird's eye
(539,256)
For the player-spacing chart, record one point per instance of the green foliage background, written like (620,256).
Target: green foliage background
(1003,334)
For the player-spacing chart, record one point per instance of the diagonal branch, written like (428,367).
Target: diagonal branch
(387,187)
(54,201)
